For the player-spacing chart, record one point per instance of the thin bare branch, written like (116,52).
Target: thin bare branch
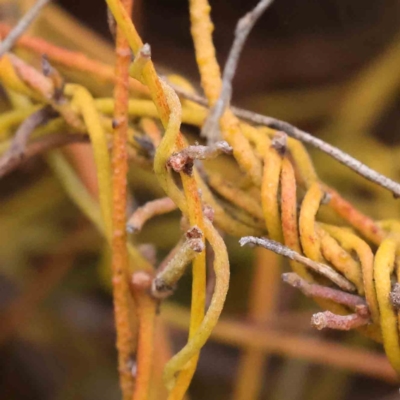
(302,136)
(210,128)
(332,151)
(18,145)
(22,26)
(339,322)
(320,268)
(164,283)
(322,292)
(40,146)
(112,24)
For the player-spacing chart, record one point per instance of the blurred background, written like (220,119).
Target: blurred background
(330,67)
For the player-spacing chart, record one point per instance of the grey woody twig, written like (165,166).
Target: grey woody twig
(322,269)
(327,319)
(165,281)
(40,146)
(323,292)
(183,160)
(147,211)
(307,138)
(21,26)
(332,151)
(16,151)
(112,24)
(210,128)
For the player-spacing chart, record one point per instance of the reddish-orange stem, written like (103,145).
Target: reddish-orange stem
(358,220)
(146,311)
(120,260)
(70,59)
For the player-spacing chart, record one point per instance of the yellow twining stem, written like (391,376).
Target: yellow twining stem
(351,242)
(383,268)
(269,193)
(309,237)
(84,101)
(75,188)
(289,215)
(169,110)
(201,28)
(304,166)
(221,268)
(341,259)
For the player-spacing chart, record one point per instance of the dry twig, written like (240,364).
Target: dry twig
(323,292)
(320,268)
(22,26)
(244,26)
(15,153)
(304,137)
(40,146)
(341,322)
(165,281)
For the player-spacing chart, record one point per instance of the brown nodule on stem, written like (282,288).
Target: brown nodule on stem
(58,81)
(141,280)
(323,292)
(141,59)
(395,296)
(327,319)
(194,233)
(165,281)
(326,198)
(183,160)
(208,212)
(320,268)
(279,143)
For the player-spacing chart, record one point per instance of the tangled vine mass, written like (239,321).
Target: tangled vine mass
(351,269)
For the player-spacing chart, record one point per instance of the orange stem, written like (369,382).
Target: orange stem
(365,225)
(71,59)
(146,311)
(120,260)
